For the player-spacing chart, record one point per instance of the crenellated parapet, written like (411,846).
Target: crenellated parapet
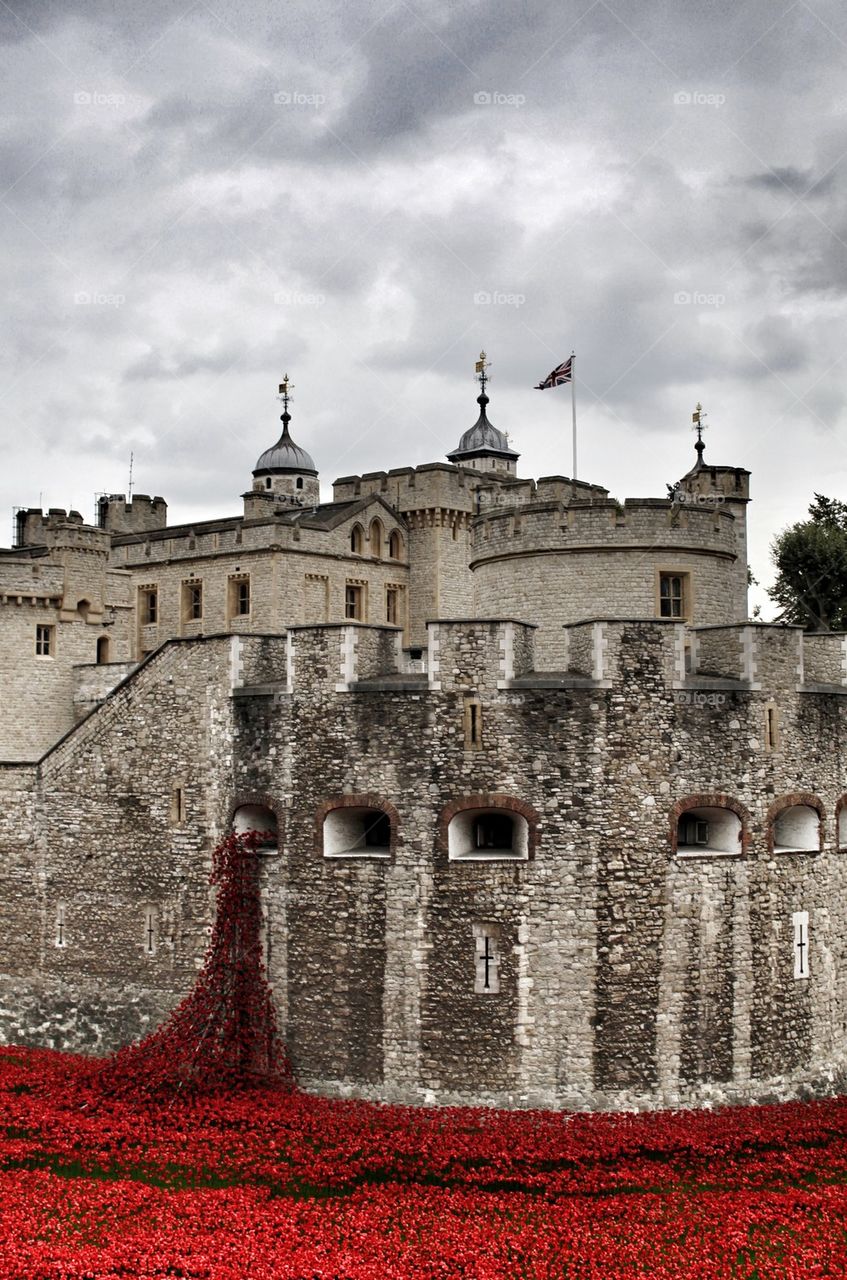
(140,515)
(530,526)
(489,655)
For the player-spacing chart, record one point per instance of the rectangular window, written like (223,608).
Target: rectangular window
(353,602)
(673,595)
(178,805)
(800,923)
(192,601)
(473,724)
(44,641)
(693,831)
(59,938)
(391,605)
(149,606)
(771,727)
(238,597)
(486,959)
(150,931)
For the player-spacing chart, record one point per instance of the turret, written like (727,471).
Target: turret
(285,475)
(483,447)
(141,514)
(719,488)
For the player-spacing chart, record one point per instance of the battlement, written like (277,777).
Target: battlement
(58,530)
(515,525)
(714,485)
(140,515)
(441,484)
(487,655)
(34,528)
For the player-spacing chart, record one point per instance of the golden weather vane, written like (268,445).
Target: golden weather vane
(285,390)
(699,426)
(480,370)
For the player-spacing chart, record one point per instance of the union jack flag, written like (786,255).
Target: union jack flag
(562,373)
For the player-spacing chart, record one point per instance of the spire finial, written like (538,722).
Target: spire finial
(482,376)
(699,425)
(285,390)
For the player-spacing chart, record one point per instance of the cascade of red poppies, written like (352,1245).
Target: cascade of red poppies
(224,1033)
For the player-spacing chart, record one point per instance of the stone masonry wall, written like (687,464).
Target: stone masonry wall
(628,973)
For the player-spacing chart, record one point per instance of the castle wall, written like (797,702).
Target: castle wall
(628,972)
(113,844)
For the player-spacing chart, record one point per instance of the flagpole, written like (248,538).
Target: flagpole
(573,408)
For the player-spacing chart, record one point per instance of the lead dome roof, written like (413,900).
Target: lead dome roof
(483,437)
(285,456)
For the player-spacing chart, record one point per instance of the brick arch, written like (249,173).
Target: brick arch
(710,800)
(362,800)
(840,805)
(787,802)
(488,800)
(263,801)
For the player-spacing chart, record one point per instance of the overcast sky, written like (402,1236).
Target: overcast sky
(196,200)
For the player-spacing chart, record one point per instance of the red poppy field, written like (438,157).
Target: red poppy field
(269,1182)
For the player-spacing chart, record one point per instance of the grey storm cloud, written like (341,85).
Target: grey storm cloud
(792,181)
(193,201)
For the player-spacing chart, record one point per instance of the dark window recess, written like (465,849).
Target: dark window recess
(494,831)
(693,831)
(671,597)
(377,831)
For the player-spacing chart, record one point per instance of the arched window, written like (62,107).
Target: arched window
(83,607)
(299,483)
(375,537)
(395,545)
(268,482)
(257,817)
(796,825)
(709,830)
(102,649)
(356,827)
(708,824)
(357,539)
(488,828)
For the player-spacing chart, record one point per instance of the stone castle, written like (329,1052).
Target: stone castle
(555,824)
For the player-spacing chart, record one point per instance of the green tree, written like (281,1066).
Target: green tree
(811,562)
